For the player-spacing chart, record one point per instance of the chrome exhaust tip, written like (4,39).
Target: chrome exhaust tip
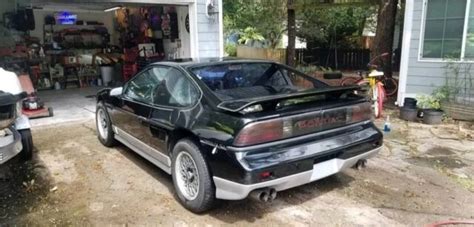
(263,195)
(360,164)
(258,195)
(272,194)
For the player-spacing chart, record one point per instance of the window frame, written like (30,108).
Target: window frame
(422,37)
(165,107)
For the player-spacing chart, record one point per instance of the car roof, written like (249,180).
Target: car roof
(192,62)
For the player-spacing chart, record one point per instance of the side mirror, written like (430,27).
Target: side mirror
(116,91)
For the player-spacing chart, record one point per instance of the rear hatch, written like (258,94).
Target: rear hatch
(279,102)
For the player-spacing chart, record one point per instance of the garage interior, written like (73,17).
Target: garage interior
(70,51)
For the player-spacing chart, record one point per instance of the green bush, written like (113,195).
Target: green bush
(231,49)
(308,69)
(428,102)
(434,100)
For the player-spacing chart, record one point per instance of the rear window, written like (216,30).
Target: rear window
(250,80)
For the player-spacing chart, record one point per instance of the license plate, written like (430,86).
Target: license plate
(324,169)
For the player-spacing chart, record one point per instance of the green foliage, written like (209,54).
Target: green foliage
(319,23)
(428,102)
(267,17)
(341,26)
(231,49)
(309,69)
(434,100)
(444,93)
(249,34)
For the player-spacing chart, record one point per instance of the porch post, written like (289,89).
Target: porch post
(193,27)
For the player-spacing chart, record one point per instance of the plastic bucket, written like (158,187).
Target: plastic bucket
(410,103)
(107,74)
(432,117)
(408,114)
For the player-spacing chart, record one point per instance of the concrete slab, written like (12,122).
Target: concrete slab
(69,105)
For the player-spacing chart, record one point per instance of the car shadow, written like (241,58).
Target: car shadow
(147,166)
(248,209)
(251,210)
(23,185)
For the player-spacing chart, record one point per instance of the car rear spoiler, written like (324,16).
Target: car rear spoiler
(240,104)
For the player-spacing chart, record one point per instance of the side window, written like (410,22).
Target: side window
(141,87)
(174,88)
(302,81)
(277,79)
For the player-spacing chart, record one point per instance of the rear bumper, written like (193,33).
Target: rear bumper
(8,150)
(229,190)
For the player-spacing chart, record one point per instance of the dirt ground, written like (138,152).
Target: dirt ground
(424,174)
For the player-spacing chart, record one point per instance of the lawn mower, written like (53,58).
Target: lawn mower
(32,107)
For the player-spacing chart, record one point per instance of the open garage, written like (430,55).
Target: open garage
(71,49)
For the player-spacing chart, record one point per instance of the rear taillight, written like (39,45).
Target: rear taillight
(302,124)
(260,132)
(361,112)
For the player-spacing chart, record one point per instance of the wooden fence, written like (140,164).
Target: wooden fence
(341,59)
(278,55)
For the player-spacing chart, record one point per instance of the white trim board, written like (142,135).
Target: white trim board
(221,29)
(405,56)
(193,29)
(422,28)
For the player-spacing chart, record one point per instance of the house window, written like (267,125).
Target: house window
(444,29)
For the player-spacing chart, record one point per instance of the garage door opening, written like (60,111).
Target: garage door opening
(126,37)
(70,51)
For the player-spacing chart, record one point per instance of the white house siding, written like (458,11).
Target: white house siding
(209,43)
(423,76)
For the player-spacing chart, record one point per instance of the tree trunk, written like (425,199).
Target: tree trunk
(383,41)
(398,52)
(290,50)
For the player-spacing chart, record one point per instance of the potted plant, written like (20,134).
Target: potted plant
(431,108)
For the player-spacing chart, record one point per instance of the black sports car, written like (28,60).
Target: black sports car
(229,128)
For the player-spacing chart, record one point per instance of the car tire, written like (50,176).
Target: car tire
(186,151)
(104,126)
(27,143)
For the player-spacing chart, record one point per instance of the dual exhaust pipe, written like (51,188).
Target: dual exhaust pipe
(269,194)
(264,195)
